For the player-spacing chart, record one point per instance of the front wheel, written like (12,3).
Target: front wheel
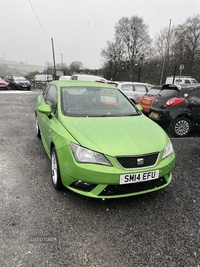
(55,172)
(181,127)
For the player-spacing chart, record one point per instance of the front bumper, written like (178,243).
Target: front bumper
(22,86)
(99,181)
(163,118)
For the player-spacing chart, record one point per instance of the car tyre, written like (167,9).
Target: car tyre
(181,127)
(55,172)
(13,87)
(37,128)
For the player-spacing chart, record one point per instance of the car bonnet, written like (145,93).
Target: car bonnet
(117,135)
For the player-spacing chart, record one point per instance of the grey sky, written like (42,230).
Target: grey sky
(80,28)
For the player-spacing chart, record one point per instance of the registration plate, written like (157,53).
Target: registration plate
(147,101)
(139,177)
(154,115)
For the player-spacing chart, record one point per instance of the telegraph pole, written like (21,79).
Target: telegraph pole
(166,52)
(54,64)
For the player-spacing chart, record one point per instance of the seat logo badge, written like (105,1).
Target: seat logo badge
(140,161)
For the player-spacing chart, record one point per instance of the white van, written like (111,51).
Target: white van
(86,77)
(43,78)
(180,80)
(65,78)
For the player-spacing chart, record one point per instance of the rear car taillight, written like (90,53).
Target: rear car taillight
(173,102)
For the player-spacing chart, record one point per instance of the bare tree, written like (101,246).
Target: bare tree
(114,54)
(76,66)
(133,33)
(163,42)
(163,52)
(187,46)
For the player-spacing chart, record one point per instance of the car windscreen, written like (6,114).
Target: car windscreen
(193,81)
(17,77)
(87,101)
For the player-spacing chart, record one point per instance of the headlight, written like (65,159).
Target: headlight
(85,155)
(168,150)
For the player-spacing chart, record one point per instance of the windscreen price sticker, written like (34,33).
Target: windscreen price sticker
(110,100)
(139,177)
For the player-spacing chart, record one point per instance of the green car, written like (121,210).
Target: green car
(100,144)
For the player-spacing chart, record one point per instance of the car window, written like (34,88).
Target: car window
(45,91)
(153,91)
(187,81)
(168,93)
(140,88)
(193,81)
(95,102)
(149,86)
(51,97)
(195,93)
(127,87)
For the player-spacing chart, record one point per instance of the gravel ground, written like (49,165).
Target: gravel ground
(41,227)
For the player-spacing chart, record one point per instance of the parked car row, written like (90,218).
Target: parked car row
(18,82)
(133,90)
(177,108)
(15,82)
(148,98)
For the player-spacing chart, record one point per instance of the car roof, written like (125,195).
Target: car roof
(62,83)
(125,82)
(180,87)
(143,83)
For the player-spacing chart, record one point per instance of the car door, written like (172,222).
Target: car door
(48,124)
(8,79)
(127,89)
(193,99)
(139,91)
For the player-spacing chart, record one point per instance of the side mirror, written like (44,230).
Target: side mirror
(139,107)
(45,109)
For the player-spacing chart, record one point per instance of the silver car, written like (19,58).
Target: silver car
(134,90)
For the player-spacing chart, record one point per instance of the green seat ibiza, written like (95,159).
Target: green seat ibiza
(100,144)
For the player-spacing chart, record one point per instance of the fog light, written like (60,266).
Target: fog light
(83,186)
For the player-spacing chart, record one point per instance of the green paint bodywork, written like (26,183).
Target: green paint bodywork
(111,136)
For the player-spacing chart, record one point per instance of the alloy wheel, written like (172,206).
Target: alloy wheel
(182,127)
(54,168)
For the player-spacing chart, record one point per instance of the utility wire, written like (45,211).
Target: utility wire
(25,47)
(38,20)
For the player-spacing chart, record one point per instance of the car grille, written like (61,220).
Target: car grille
(23,83)
(132,162)
(112,190)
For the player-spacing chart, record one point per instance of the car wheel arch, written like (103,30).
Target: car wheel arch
(52,146)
